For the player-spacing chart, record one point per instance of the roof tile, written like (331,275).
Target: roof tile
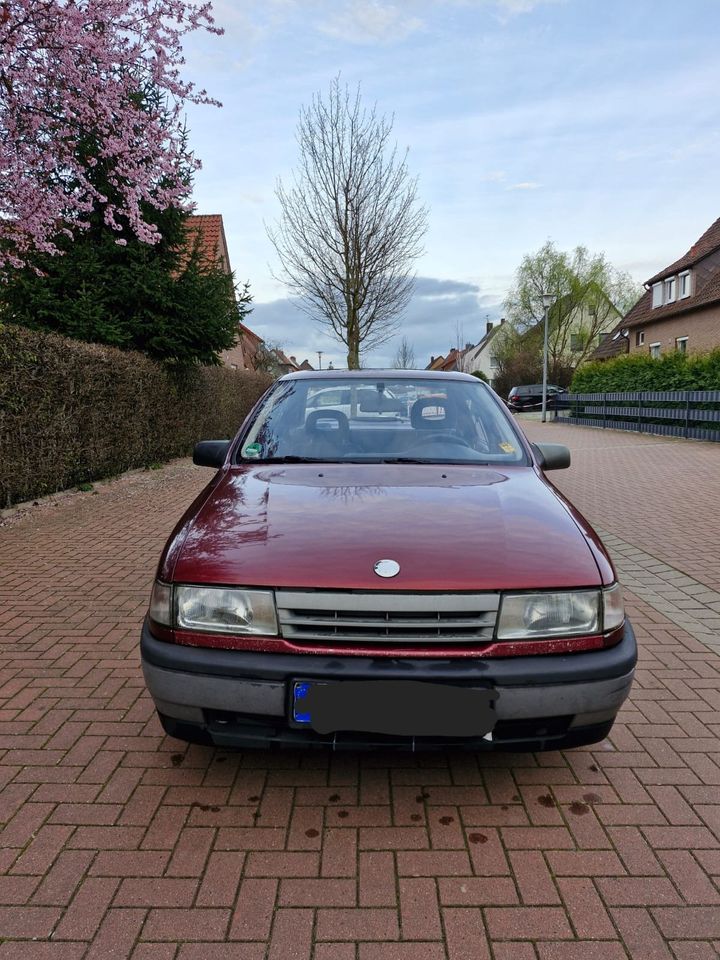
(708,243)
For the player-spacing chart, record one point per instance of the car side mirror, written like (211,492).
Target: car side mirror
(210,453)
(551,456)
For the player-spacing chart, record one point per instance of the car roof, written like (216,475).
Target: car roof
(369,372)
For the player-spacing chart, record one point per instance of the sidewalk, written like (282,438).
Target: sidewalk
(121,843)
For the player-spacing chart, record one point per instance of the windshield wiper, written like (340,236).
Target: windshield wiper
(289,459)
(437,463)
(404,460)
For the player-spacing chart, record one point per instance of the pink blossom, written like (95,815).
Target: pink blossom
(68,67)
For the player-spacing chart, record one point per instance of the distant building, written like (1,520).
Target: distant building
(472,357)
(450,362)
(481,357)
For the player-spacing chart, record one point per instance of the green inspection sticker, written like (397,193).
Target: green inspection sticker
(252,451)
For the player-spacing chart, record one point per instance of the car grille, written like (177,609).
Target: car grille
(386,618)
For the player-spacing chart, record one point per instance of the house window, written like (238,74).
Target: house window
(639,338)
(684,284)
(576,342)
(654,350)
(681,344)
(657,290)
(670,289)
(494,363)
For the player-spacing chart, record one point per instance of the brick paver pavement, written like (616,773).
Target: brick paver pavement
(118,842)
(659,493)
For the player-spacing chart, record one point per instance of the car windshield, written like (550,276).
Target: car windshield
(381,419)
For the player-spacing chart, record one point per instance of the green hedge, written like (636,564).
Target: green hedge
(673,371)
(73,412)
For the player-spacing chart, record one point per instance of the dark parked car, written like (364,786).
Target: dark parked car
(412,581)
(529,397)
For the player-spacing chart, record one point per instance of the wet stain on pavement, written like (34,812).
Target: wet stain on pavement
(477,838)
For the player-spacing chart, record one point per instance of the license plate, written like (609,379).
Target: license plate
(396,707)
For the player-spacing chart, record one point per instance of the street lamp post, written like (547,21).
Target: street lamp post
(320,353)
(547,300)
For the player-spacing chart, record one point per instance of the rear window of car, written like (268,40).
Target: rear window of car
(380,419)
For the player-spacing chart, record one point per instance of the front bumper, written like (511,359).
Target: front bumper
(241,698)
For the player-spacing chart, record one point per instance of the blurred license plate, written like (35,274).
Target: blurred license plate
(398,707)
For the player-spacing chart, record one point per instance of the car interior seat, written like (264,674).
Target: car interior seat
(327,434)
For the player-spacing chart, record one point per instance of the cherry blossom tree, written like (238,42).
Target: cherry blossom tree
(74,72)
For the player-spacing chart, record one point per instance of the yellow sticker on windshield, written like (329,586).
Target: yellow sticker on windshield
(507,447)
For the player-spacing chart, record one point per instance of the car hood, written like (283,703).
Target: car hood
(449,528)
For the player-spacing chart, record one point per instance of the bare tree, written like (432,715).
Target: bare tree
(405,356)
(351,225)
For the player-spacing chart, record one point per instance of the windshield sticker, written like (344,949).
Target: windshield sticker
(252,451)
(507,447)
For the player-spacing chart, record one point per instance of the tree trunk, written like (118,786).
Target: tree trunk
(353,341)
(353,355)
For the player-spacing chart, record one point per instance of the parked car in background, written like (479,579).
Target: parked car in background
(362,402)
(410,582)
(529,397)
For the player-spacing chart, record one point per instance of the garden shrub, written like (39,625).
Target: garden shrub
(639,372)
(74,412)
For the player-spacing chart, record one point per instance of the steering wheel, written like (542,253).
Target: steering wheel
(440,438)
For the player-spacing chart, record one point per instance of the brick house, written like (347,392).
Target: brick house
(472,357)
(450,362)
(680,309)
(208,232)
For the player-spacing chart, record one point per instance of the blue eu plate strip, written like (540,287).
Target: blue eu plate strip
(300,714)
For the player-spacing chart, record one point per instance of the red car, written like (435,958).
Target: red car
(411,581)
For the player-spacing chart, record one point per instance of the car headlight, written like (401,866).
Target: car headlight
(528,616)
(225,610)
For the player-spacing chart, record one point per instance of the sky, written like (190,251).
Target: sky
(593,122)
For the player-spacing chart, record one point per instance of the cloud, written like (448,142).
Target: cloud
(429,288)
(525,185)
(370,21)
(440,313)
(493,176)
(507,10)
(515,7)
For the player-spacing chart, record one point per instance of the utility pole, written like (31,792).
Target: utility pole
(548,301)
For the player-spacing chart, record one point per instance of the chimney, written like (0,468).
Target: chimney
(490,326)
(468,346)
(293,359)
(502,319)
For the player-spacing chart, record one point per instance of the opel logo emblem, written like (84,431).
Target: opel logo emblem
(387,568)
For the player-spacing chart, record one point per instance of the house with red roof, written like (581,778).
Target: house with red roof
(208,233)
(250,351)
(680,309)
(451,362)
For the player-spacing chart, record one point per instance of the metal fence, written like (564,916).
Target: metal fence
(694,414)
